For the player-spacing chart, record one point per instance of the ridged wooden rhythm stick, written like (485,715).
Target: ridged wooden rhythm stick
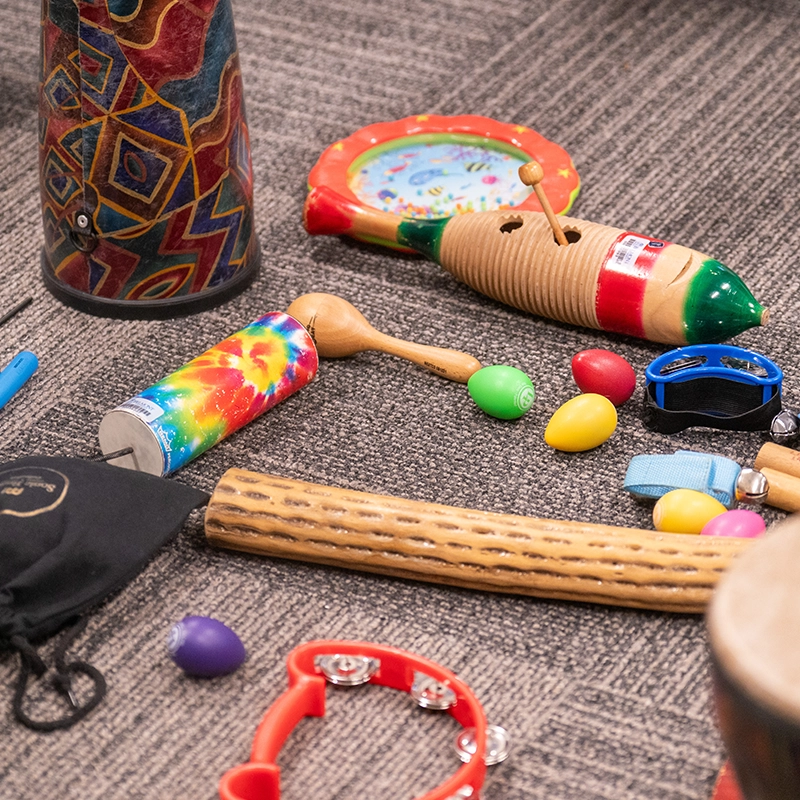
(473,549)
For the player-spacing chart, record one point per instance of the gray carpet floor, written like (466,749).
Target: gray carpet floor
(682,121)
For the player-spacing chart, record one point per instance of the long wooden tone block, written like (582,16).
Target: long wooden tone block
(779,459)
(545,558)
(784,489)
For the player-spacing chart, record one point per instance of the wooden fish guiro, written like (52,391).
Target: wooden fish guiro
(603,277)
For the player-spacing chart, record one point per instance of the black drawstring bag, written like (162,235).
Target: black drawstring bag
(71,532)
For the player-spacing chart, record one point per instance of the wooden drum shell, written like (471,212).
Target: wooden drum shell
(753,625)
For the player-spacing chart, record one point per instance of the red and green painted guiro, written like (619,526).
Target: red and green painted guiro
(605,278)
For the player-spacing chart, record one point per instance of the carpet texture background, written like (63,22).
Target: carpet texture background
(682,121)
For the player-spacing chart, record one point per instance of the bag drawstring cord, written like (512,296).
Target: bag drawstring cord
(31,662)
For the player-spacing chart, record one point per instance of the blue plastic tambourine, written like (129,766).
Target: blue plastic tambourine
(712,386)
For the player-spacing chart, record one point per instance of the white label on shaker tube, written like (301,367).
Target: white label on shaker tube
(140,407)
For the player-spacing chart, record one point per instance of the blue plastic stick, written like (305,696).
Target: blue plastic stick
(13,377)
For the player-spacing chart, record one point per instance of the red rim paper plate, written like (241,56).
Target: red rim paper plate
(432,167)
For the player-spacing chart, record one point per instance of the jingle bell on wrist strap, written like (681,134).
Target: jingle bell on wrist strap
(712,386)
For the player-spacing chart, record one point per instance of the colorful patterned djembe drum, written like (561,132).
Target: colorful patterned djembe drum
(145,170)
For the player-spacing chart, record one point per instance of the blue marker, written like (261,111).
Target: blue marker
(13,377)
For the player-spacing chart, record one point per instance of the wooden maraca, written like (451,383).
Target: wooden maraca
(339,329)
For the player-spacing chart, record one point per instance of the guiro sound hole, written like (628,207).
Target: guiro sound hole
(571,237)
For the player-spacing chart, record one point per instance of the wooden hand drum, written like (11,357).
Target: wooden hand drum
(754,629)
(145,171)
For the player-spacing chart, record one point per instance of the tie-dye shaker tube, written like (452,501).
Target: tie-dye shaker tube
(215,394)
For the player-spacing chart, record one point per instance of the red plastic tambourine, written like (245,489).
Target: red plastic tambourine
(431,167)
(311,666)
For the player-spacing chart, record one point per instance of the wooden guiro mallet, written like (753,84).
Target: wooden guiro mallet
(339,329)
(532,174)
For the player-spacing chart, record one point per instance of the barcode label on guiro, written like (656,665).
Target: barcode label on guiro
(626,252)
